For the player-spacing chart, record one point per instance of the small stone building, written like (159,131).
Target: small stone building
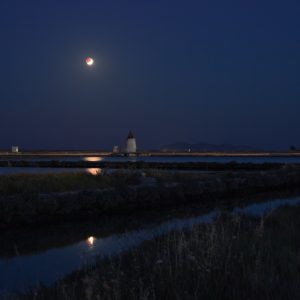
(14,149)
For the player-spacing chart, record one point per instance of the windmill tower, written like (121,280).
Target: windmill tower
(130,144)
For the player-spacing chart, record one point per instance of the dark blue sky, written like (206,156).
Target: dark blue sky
(212,71)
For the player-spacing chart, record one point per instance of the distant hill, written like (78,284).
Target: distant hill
(180,146)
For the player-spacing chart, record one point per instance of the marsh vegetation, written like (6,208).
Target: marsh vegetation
(234,257)
(44,198)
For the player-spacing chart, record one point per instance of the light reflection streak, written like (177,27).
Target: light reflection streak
(94,171)
(90,241)
(93,158)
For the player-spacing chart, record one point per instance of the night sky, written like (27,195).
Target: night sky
(196,71)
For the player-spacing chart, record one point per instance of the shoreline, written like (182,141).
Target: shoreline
(84,153)
(131,165)
(240,249)
(63,234)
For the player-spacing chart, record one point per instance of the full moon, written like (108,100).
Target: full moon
(89,61)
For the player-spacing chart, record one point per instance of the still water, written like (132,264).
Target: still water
(162,159)
(171,159)
(45,255)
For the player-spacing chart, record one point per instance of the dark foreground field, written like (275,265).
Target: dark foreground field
(235,257)
(34,199)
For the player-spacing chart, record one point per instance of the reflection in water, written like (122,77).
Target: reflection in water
(90,241)
(150,159)
(93,171)
(93,158)
(24,271)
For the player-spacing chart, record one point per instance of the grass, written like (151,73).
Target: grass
(62,182)
(44,183)
(50,198)
(235,257)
